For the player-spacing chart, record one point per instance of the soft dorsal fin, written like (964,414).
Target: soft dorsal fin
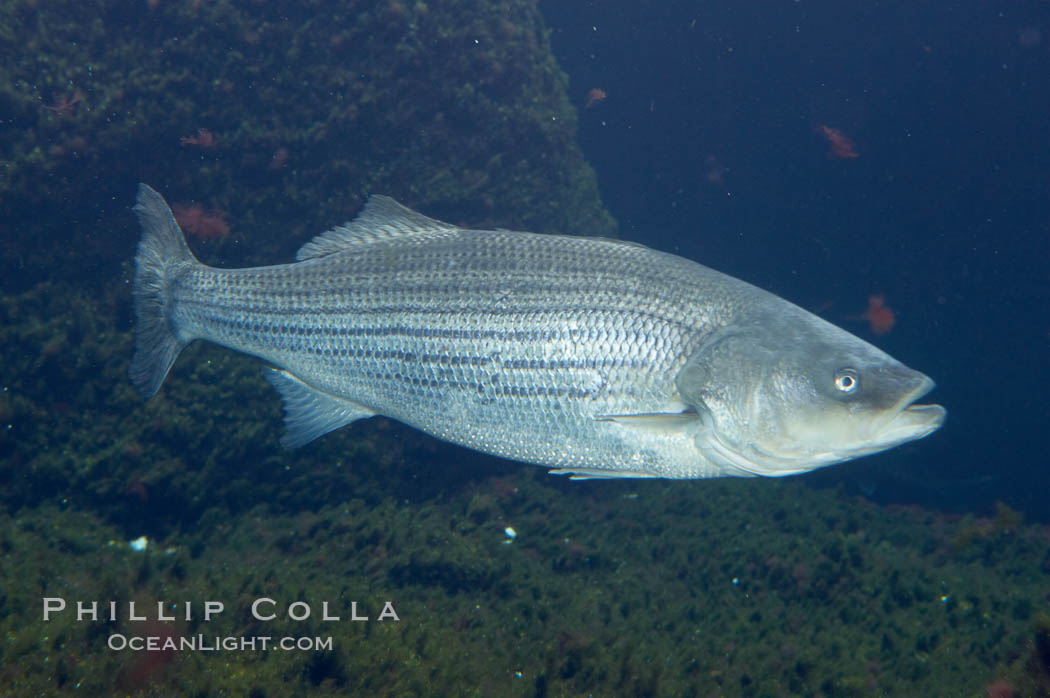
(381,219)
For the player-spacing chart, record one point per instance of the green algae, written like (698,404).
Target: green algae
(730,587)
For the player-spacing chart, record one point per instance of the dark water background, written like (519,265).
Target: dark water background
(946,211)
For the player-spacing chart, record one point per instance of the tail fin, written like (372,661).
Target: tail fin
(162,256)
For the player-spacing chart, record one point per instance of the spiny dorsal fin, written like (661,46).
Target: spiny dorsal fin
(381,219)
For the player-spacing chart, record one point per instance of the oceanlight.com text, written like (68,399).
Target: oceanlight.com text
(215,643)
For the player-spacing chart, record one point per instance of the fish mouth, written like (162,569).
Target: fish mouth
(909,421)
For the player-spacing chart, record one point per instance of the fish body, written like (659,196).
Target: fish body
(595,357)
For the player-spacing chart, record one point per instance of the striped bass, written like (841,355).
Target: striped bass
(596,357)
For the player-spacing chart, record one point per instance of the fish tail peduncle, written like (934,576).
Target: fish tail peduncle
(162,256)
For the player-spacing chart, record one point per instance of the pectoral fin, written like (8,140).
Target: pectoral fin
(655,421)
(310,413)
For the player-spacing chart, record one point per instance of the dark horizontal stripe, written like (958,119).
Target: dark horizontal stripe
(264,329)
(441,360)
(630,308)
(499,390)
(627,314)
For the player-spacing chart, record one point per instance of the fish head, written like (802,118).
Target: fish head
(791,393)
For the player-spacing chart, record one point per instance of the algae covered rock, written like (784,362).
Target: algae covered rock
(276,119)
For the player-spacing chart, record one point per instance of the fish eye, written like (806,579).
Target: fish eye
(847,380)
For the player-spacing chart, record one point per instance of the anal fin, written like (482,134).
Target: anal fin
(600,474)
(310,413)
